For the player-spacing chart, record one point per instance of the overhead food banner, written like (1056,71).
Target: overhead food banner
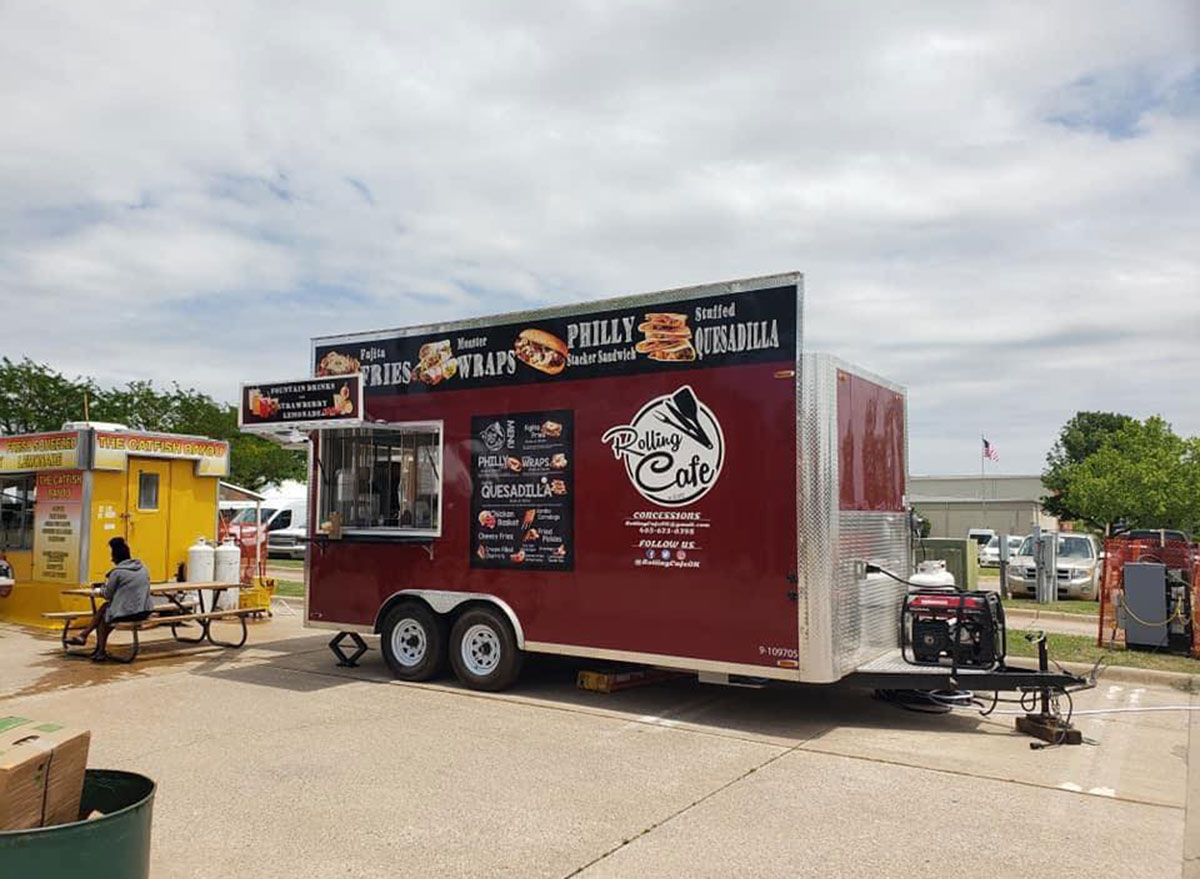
(58,521)
(42,451)
(746,327)
(305,404)
(112,450)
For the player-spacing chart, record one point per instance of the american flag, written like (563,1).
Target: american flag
(989,451)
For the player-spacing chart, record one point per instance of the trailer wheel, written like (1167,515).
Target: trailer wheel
(483,650)
(414,642)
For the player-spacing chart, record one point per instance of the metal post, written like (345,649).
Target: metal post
(1044,666)
(1039,560)
(257,542)
(1003,538)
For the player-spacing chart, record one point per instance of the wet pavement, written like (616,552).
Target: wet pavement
(272,761)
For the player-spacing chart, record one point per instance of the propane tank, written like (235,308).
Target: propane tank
(227,568)
(227,562)
(932,575)
(201,559)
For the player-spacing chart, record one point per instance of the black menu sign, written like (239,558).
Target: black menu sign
(306,403)
(523,487)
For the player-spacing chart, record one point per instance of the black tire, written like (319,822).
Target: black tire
(484,635)
(413,639)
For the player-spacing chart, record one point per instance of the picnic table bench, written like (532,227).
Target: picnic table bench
(178,613)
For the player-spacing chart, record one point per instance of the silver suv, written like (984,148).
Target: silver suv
(1078,574)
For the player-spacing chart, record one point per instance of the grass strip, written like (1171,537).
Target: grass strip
(1078,648)
(1080,608)
(289,588)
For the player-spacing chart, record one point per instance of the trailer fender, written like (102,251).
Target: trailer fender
(444,602)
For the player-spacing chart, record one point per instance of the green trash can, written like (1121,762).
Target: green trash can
(115,845)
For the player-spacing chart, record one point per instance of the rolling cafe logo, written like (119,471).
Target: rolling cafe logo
(673,449)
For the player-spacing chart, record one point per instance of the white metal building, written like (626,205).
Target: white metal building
(954,504)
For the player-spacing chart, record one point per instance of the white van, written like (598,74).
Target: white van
(284,519)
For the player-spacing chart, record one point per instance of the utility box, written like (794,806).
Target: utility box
(1146,608)
(961,558)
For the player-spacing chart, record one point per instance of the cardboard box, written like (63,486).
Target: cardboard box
(41,772)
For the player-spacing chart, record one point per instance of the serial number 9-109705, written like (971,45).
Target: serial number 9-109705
(778,652)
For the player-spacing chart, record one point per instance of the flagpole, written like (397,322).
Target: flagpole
(982,489)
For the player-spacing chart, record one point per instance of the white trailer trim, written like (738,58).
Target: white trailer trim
(686,663)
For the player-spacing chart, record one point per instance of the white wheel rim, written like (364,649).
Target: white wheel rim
(409,642)
(481,650)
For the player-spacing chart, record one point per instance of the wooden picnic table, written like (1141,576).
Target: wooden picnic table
(177,613)
(170,590)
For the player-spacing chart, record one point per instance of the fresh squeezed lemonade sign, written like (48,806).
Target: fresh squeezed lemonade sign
(57,525)
(41,451)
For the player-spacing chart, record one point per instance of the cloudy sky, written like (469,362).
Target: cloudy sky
(995,205)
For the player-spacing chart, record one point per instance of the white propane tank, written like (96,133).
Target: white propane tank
(932,575)
(227,568)
(201,559)
(199,568)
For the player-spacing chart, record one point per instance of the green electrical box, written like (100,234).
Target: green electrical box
(961,558)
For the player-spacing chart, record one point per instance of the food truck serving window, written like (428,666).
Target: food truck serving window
(384,479)
(16,511)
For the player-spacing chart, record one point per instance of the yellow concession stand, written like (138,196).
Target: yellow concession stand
(64,495)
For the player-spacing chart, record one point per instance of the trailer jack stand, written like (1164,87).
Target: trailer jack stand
(1050,729)
(1047,725)
(360,647)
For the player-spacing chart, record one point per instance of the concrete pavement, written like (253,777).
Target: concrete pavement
(271,761)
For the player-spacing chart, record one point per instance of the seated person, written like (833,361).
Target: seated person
(127,590)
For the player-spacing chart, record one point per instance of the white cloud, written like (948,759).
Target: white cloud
(192,192)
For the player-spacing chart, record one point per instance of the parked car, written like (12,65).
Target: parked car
(989,556)
(981,536)
(1077,574)
(285,521)
(288,542)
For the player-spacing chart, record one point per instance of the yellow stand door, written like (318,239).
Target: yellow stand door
(148,514)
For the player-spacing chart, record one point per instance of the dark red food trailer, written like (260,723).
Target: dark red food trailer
(664,479)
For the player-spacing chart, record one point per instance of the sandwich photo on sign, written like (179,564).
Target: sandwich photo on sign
(667,337)
(337,363)
(541,350)
(436,362)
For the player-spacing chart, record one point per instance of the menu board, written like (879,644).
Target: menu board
(523,487)
(58,522)
(731,329)
(328,402)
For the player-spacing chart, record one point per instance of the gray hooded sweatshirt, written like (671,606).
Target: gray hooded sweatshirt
(128,590)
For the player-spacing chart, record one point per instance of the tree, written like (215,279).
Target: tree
(1079,438)
(35,397)
(1143,475)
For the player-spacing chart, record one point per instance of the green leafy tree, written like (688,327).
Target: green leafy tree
(1079,438)
(35,397)
(1144,475)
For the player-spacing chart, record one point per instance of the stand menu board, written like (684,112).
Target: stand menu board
(59,521)
(523,486)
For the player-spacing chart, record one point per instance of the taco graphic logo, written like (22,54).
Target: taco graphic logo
(673,449)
